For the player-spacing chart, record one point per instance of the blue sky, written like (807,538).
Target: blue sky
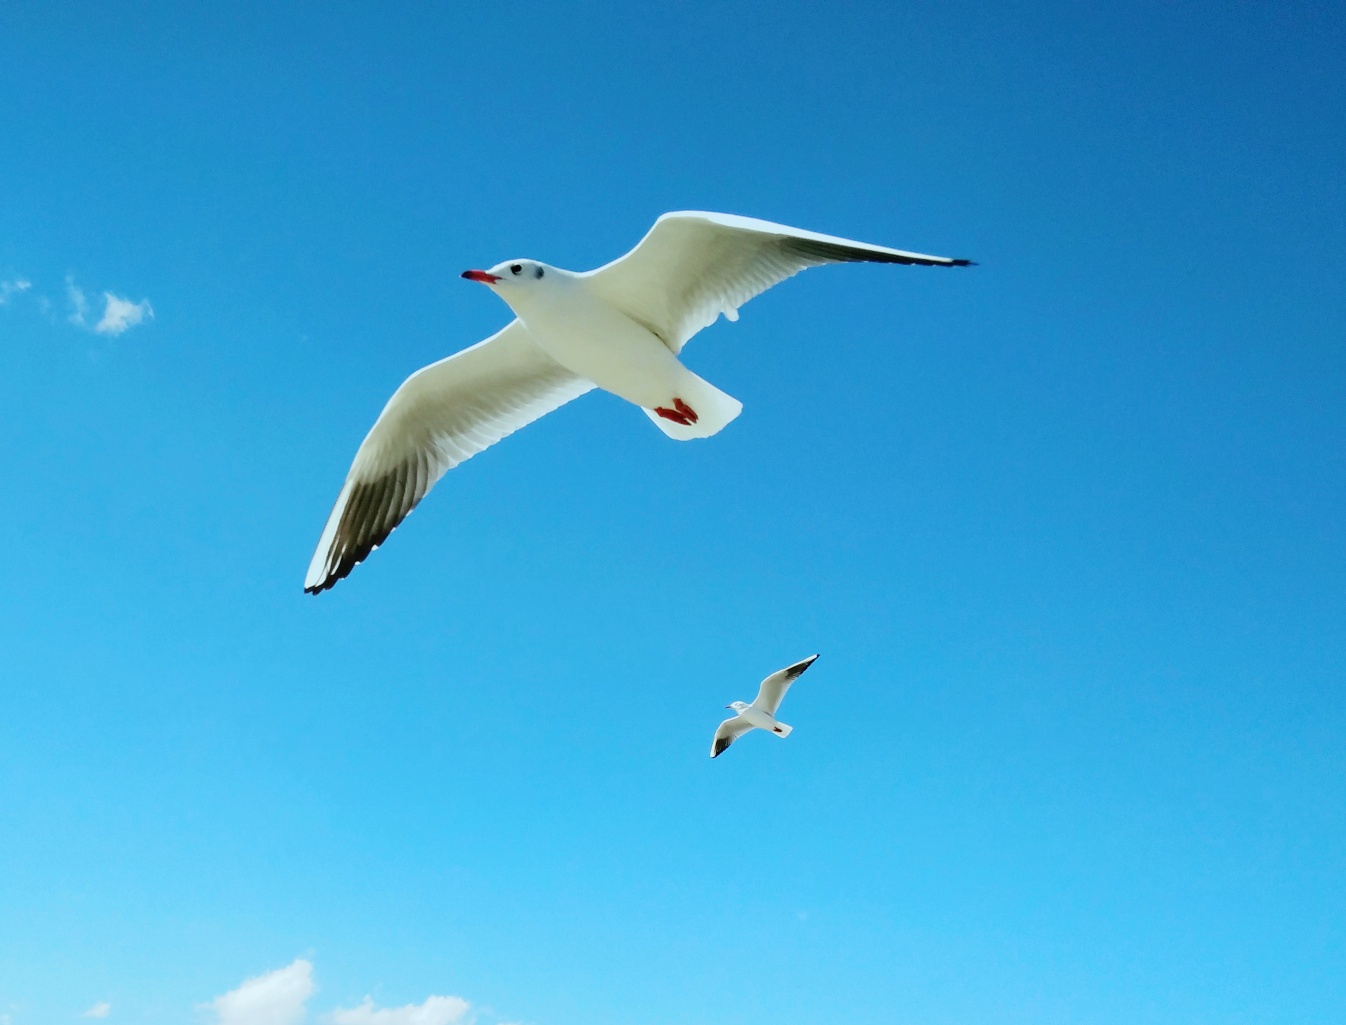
(1066,528)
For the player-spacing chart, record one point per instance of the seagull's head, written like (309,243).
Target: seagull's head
(737,706)
(515,279)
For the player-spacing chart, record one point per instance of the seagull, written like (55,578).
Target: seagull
(620,327)
(761,714)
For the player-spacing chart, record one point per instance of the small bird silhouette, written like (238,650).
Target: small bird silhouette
(761,714)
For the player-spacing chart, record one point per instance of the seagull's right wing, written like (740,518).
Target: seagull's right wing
(773,688)
(693,265)
(728,732)
(440,416)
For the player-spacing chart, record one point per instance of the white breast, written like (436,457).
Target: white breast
(758,718)
(593,339)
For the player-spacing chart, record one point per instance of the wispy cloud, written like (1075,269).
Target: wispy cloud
(121,314)
(79,305)
(14,287)
(281,998)
(98,1010)
(436,1010)
(276,998)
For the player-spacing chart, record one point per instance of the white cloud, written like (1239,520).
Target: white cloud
(10,288)
(121,314)
(98,1010)
(435,1011)
(277,998)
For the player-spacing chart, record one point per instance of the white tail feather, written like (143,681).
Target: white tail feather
(714,410)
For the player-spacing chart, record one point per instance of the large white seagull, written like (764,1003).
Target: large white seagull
(619,328)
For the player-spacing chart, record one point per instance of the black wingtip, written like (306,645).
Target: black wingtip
(341,572)
(363,527)
(962,263)
(798,668)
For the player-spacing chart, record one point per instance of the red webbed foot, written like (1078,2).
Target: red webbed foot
(685,410)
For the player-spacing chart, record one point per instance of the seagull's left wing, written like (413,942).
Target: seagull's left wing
(441,415)
(773,688)
(693,265)
(728,732)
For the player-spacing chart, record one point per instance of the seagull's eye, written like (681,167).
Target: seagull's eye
(515,268)
(537,273)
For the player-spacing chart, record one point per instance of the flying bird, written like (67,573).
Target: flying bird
(620,328)
(761,714)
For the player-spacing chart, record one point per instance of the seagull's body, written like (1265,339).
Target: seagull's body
(599,342)
(761,714)
(620,328)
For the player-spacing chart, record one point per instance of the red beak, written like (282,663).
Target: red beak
(482,276)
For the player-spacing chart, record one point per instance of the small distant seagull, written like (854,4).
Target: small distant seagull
(620,327)
(761,714)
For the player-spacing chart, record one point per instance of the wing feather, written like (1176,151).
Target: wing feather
(693,266)
(773,688)
(728,732)
(440,416)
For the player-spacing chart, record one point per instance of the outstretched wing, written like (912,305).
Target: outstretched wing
(773,688)
(692,266)
(728,732)
(440,416)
